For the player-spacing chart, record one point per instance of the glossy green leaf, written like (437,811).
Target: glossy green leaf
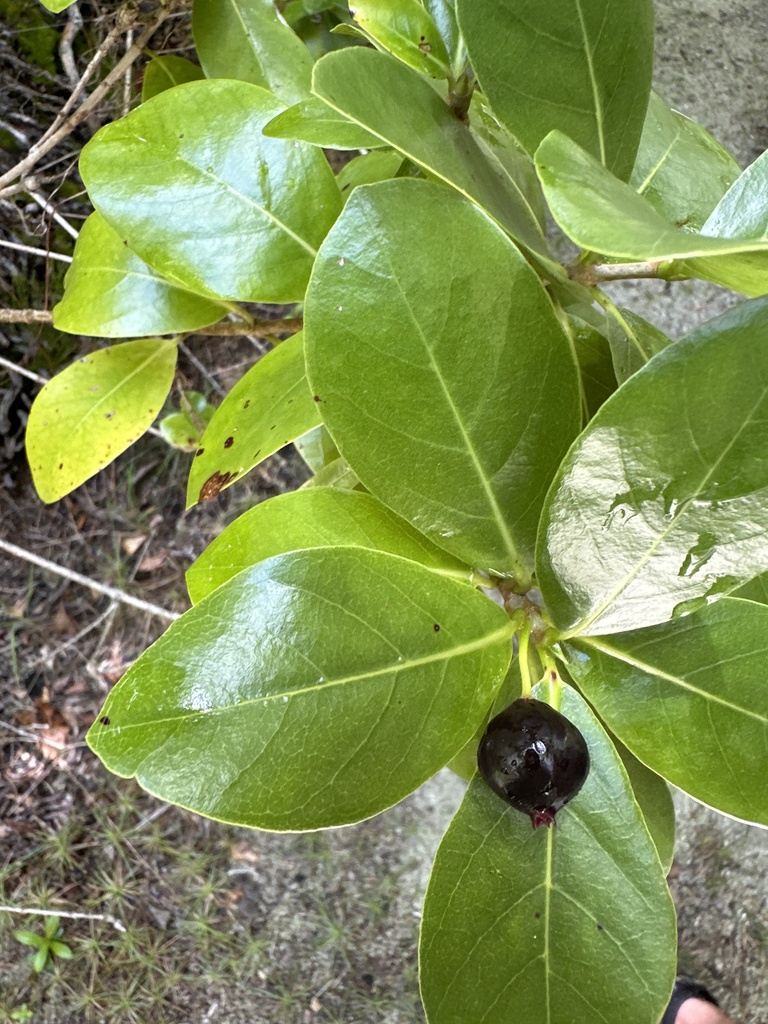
(742,213)
(164,72)
(668,485)
(320,517)
(632,340)
(91,412)
(57,5)
(552,926)
(172,181)
(581,66)
(655,799)
(336,474)
(404,111)
(444,16)
(367,170)
(431,377)
(689,699)
(502,148)
(110,293)
(317,448)
(315,122)
(680,168)
(602,214)
(755,590)
(406,29)
(270,406)
(598,381)
(249,40)
(312,690)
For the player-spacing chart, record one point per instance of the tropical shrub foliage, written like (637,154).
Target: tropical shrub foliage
(514,479)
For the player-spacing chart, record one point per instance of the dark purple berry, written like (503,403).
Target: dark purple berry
(534,758)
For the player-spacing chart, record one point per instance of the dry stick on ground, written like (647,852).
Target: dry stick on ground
(65,913)
(55,135)
(86,581)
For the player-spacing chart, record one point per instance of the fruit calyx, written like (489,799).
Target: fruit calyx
(534,758)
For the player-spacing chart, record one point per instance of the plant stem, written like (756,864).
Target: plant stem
(592,274)
(552,677)
(525,670)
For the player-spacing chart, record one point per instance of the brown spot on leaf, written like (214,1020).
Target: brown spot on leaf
(229,442)
(436,627)
(316,398)
(200,451)
(247,403)
(599,927)
(104,720)
(61,465)
(537,915)
(109,415)
(213,485)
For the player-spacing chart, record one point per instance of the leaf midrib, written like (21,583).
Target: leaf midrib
(400,666)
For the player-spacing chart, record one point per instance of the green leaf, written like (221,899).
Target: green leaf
(40,959)
(689,699)
(312,690)
(367,170)
(110,293)
(464,764)
(171,180)
(165,72)
(655,800)
(317,448)
(406,29)
(503,149)
(249,40)
(602,214)
(270,406)
(336,474)
(668,485)
(27,938)
(581,66)
(755,590)
(444,16)
(61,950)
(680,168)
(57,5)
(315,122)
(431,376)
(320,517)
(404,111)
(632,340)
(594,357)
(91,412)
(564,924)
(184,429)
(52,927)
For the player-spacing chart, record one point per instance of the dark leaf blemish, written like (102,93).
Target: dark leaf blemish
(200,451)
(229,442)
(104,720)
(213,485)
(247,403)
(436,627)
(316,398)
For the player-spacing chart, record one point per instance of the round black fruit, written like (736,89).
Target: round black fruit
(534,758)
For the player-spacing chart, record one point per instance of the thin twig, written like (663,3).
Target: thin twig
(127,81)
(22,370)
(225,328)
(202,369)
(25,316)
(28,911)
(35,252)
(260,328)
(86,581)
(43,203)
(76,117)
